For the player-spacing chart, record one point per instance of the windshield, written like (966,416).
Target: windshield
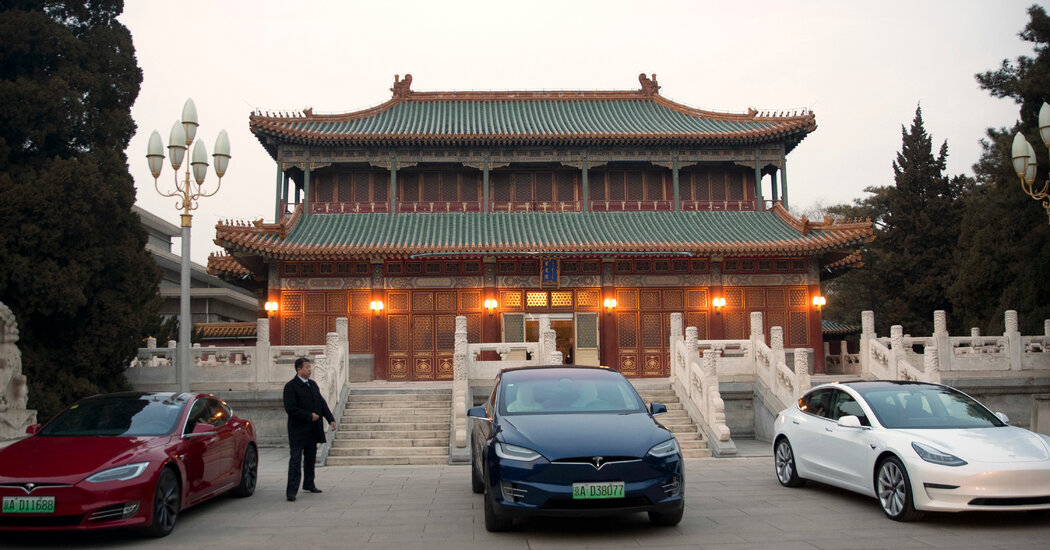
(583,392)
(118,416)
(927,407)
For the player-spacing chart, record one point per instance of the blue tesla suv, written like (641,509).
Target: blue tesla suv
(572,441)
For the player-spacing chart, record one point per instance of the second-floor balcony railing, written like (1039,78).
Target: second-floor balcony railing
(349,207)
(632,206)
(439,206)
(718,206)
(535,206)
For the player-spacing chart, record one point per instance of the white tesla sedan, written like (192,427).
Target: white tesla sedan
(914,446)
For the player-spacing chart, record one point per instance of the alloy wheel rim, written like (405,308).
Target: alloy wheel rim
(891,488)
(784,462)
(250,470)
(167,503)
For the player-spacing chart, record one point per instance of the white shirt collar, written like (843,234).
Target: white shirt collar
(305,380)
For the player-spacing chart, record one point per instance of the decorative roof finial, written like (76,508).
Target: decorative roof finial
(402,88)
(649,86)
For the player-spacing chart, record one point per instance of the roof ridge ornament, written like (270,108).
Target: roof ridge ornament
(650,87)
(402,88)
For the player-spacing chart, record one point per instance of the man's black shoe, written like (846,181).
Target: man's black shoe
(313,490)
(291,498)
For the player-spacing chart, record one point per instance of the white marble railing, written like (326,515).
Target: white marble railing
(896,358)
(697,377)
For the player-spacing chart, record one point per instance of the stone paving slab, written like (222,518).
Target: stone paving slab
(730,504)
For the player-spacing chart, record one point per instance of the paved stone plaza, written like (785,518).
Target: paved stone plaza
(730,503)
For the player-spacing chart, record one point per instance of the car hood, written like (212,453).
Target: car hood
(560,436)
(69,459)
(1007,444)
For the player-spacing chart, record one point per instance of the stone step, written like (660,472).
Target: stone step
(395,426)
(347,433)
(405,442)
(691,444)
(393,397)
(696,453)
(389,451)
(397,405)
(372,417)
(385,460)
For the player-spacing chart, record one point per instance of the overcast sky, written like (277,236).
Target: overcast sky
(862,67)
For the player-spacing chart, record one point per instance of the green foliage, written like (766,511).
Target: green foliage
(76,273)
(1003,259)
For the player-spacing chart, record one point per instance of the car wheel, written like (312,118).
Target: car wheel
(493,521)
(166,504)
(477,483)
(666,519)
(249,473)
(784,460)
(893,489)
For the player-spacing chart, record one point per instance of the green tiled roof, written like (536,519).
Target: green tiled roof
(707,233)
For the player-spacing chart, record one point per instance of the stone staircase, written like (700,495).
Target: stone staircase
(677,420)
(390,426)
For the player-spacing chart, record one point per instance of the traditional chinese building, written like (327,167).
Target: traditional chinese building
(605,210)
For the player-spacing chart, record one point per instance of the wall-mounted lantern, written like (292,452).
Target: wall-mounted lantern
(376,306)
(610,304)
(818,302)
(271,308)
(490,305)
(718,304)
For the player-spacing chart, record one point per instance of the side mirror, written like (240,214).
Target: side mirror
(657,408)
(31,430)
(1003,417)
(849,421)
(479,413)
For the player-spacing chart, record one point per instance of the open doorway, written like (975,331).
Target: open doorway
(562,325)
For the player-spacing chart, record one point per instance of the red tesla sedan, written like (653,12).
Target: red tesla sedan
(129,459)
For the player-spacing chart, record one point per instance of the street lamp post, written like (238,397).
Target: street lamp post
(188,192)
(1025,163)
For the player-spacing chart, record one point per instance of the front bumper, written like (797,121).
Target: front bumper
(543,488)
(84,506)
(979,486)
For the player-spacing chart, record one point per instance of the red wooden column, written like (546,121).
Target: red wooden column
(816,331)
(273,294)
(718,318)
(379,326)
(607,319)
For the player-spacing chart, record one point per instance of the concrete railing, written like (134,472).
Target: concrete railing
(896,358)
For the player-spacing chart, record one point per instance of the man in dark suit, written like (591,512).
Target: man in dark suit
(305,408)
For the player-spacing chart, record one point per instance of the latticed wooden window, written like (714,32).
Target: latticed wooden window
(358,333)
(736,325)
(397,301)
(325,187)
(561,298)
(315,302)
(747,265)
(408,185)
(292,302)
(359,301)
(596,183)
(501,187)
(587,299)
(680,266)
(617,191)
(697,319)
(652,335)
(529,267)
(470,300)
(449,186)
(685,186)
(414,268)
(699,266)
(781,266)
(736,186)
(380,185)
(587,330)
(337,302)
(734,297)
(765,266)
(446,332)
(432,268)
(624,266)
(361,187)
(701,186)
(797,297)
(589,268)
(718,185)
(566,186)
(431,186)
(673,300)
(798,335)
(696,299)
(469,187)
(535,299)
(522,186)
(473,328)
(649,299)
(446,301)
(627,327)
(398,332)
(314,331)
(291,329)
(654,186)
(422,332)
(544,187)
(756,298)
(626,298)
(510,299)
(661,266)
(776,298)
(798,265)
(513,327)
(635,187)
(344,188)
(775,318)
(422,301)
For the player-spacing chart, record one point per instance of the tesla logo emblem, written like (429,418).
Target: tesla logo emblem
(599,461)
(29,487)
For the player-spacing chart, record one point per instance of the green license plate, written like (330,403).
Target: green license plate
(29,505)
(604,489)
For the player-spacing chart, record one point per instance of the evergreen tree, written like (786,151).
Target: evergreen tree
(1003,259)
(75,271)
(913,257)
(856,289)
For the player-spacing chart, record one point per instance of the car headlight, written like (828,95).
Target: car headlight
(935,456)
(514,452)
(120,473)
(667,448)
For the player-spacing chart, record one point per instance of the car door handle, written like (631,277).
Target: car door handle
(827,429)
(794,421)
